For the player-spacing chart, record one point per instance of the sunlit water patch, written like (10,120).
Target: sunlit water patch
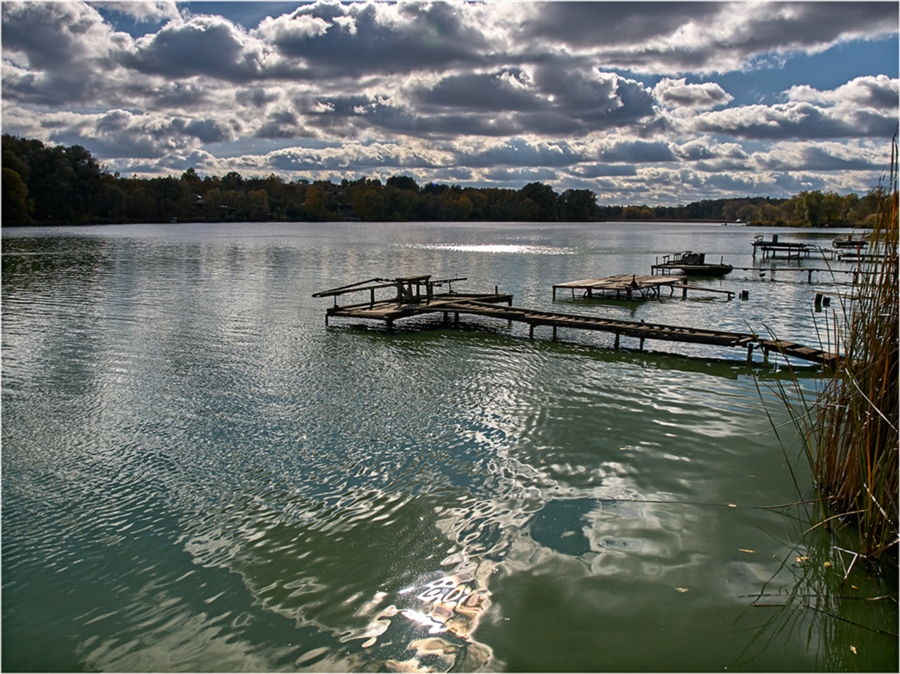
(523,249)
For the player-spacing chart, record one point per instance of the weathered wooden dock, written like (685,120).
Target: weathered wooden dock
(416,296)
(776,248)
(763,271)
(631,287)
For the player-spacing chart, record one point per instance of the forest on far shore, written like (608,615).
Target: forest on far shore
(56,185)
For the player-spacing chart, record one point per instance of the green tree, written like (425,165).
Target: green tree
(578,205)
(314,203)
(17,207)
(544,198)
(403,183)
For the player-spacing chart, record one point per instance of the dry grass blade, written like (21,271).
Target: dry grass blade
(855,442)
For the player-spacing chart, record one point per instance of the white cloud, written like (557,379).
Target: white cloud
(490,92)
(880,93)
(144,10)
(677,94)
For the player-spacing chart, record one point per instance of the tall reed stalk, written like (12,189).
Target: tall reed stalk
(852,437)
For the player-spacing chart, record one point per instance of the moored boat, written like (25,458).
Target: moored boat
(690,263)
(850,242)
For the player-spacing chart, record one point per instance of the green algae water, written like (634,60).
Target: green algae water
(199,475)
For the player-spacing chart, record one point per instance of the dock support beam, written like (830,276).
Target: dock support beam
(554,333)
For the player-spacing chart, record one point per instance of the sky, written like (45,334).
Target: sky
(657,103)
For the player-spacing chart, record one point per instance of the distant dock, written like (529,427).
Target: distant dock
(630,287)
(776,248)
(417,295)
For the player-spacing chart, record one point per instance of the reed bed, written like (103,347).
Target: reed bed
(850,431)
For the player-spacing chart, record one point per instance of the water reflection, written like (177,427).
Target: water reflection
(848,611)
(527,249)
(197,474)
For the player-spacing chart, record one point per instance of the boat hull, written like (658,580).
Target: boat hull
(696,269)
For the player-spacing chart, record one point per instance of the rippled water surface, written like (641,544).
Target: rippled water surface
(199,475)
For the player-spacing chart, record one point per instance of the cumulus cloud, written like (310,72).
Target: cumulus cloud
(803,156)
(704,37)
(677,93)
(879,93)
(204,45)
(145,10)
(797,120)
(60,37)
(329,39)
(489,93)
(521,152)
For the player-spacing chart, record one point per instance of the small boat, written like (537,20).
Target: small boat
(690,263)
(850,242)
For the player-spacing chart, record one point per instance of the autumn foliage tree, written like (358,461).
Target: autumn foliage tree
(66,185)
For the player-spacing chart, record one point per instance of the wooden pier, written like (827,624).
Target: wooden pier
(413,296)
(416,296)
(631,287)
(856,272)
(776,248)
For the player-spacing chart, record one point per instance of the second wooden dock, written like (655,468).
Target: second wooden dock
(631,287)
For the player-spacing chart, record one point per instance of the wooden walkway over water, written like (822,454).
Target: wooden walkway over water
(631,287)
(776,248)
(416,296)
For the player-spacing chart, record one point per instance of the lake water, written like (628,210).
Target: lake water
(199,475)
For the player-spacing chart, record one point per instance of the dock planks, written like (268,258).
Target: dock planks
(631,287)
(410,301)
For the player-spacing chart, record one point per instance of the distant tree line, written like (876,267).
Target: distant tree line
(66,185)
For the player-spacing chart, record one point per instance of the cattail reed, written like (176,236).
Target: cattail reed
(852,440)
